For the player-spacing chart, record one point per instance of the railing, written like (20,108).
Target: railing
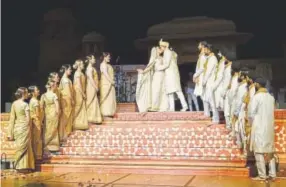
(125,85)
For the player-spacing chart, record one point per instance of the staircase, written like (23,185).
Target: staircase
(177,143)
(170,143)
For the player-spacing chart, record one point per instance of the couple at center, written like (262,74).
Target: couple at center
(158,83)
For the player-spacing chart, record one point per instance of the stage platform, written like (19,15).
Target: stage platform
(177,143)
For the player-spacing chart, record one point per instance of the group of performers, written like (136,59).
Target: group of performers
(42,125)
(66,106)
(247,105)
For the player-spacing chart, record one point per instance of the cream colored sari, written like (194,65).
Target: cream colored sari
(147,97)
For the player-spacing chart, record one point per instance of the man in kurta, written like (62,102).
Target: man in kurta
(208,82)
(199,74)
(172,77)
(218,81)
(243,115)
(238,130)
(261,116)
(230,95)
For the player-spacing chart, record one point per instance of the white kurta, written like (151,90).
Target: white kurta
(261,111)
(218,83)
(209,78)
(228,102)
(251,91)
(232,93)
(199,75)
(239,111)
(159,97)
(172,74)
(224,85)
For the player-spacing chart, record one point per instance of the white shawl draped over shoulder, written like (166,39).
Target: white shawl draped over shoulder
(144,83)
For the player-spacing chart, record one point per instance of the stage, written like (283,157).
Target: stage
(174,143)
(72,179)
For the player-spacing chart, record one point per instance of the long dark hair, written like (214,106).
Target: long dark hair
(31,90)
(20,92)
(64,68)
(104,54)
(52,75)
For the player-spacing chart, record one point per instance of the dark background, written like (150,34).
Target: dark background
(123,22)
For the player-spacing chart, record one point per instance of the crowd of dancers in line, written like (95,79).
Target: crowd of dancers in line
(66,106)
(39,126)
(247,105)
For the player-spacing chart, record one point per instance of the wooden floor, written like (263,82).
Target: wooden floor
(11,179)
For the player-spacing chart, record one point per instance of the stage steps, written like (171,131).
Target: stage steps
(182,143)
(167,142)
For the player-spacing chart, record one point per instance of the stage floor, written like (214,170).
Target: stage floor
(128,180)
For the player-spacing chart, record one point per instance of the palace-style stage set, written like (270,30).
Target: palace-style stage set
(176,143)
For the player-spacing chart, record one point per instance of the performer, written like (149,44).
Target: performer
(92,103)
(190,93)
(54,76)
(150,90)
(80,116)
(199,74)
(225,84)
(67,103)
(172,76)
(238,115)
(50,105)
(19,131)
(36,119)
(218,84)
(208,83)
(243,116)
(261,117)
(230,94)
(107,90)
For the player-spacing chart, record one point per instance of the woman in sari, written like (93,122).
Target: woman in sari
(107,90)
(150,90)
(36,119)
(20,132)
(67,103)
(50,105)
(54,76)
(80,116)
(92,104)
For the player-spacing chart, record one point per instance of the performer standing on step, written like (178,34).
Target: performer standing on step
(92,88)
(208,83)
(243,114)
(54,76)
(230,95)
(79,84)
(172,76)
(224,89)
(36,119)
(190,93)
(261,117)
(19,131)
(50,106)
(218,84)
(150,90)
(107,90)
(199,74)
(238,115)
(67,102)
